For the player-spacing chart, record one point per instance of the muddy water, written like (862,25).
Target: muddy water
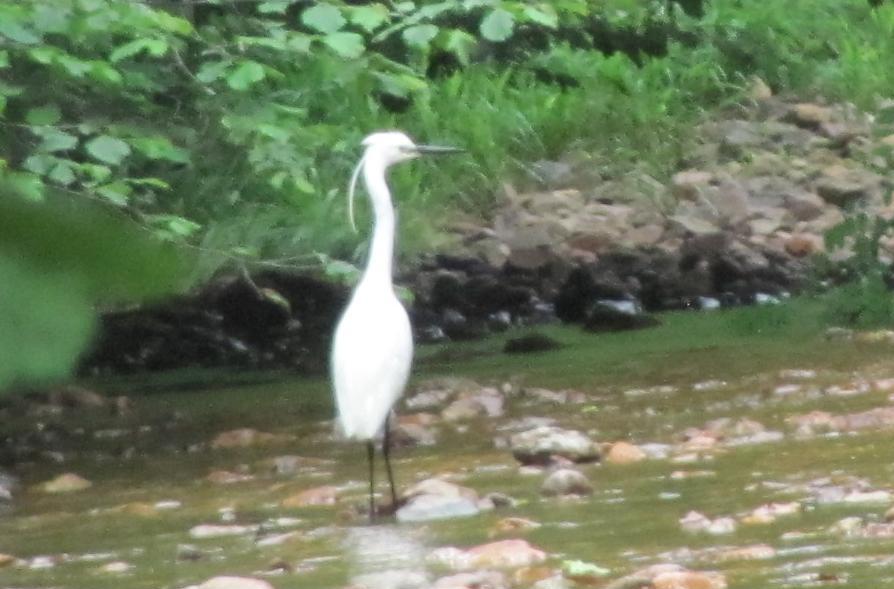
(150,489)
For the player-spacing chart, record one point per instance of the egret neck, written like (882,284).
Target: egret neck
(381,251)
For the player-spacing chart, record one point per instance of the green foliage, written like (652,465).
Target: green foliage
(58,259)
(234,127)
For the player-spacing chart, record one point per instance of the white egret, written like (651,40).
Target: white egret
(373,345)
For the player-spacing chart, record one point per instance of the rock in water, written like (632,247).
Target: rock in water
(533,342)
(541,444)
(226,582)
(66,483)
(566,481)
(603,317)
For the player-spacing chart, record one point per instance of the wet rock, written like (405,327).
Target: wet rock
(227,582)
(65,483)
(7,560)
(409,432)
(696,522)
(226,477)
(542,444)
(502,554)
(752,552)
(435,507)
(203,531)
(116,567)
(624,453)
(669,576)
(289,464)
(318,496)
(246,438)
(606,318)
(434,499)
(770,512)
(474,580)
(513,525)
(533,342)
(484,402)
(689,580)
(395,579)
(566,481)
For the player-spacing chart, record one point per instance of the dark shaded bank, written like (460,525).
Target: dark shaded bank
(277,319)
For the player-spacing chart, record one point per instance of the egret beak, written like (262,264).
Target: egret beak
(436,149)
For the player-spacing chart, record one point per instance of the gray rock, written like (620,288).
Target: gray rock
(566,481)
(539,445)
(424,508)
(226,582)
(396,579)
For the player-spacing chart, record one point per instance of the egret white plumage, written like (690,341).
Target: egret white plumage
(373,346)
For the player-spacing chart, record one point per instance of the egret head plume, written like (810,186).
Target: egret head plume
(388,148)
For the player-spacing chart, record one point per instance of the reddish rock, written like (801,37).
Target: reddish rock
(689,580)
(624,453)
(65,483)
(325,495)
(247,437)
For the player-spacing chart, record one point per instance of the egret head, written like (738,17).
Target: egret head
(386,148)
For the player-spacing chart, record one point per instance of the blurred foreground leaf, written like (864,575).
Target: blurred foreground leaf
(57,259)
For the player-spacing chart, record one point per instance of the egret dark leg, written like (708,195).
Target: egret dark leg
(386,450)
(370,453)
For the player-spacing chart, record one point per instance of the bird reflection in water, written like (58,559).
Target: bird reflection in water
(386,556)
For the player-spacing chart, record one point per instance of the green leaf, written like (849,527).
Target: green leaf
(400,85)
(347,45)
(369,17)
(160,148)
(885,116)
(17,33)
(49,18)
(323,17)
(245,75)
(103,72)
(498,25)
(4,59)
(109,150)
(46,319)
(154,47)
(173,225)
(117,193)
(75,66)
(542,14)
(274,6)
(212,70)
(55,140)
(57,260)
(40,163)
(460,44)
(419,36)
(43,115)
(62,174)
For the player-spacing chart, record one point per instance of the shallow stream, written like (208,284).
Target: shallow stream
(150,469)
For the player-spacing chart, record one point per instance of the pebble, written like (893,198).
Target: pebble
(393,579)
(435,507)
(202,531)
(116,567)
(541,444)
(246,438)
(502,554)
(317,496)
(625,453)
(227,582)
(65,483)
(566,481)
(513,525)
